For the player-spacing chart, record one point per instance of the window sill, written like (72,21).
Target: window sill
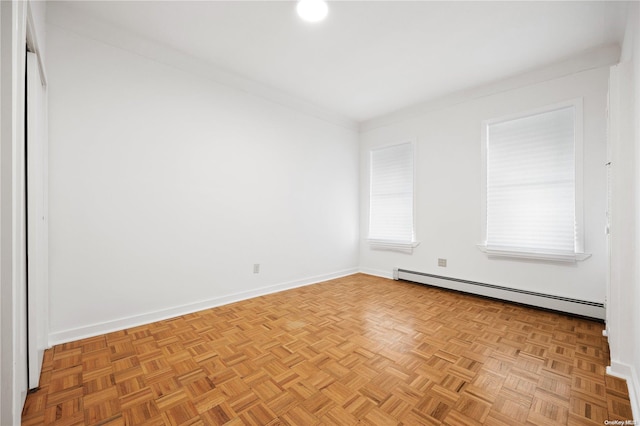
(400,246)
(535,255)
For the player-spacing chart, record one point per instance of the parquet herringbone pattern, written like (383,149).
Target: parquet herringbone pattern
(356,350)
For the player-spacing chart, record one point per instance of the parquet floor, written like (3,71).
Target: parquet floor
(356,350)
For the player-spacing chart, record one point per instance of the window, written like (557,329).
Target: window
(391,224)
(533,197)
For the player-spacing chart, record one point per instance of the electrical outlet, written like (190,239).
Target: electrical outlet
(256,268)
(442,262)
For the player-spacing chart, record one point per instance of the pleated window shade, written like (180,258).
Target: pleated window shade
(531,196)
(391,194)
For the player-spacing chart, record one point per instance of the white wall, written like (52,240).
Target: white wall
(624,316)
(166,188)
(448,212)
(634,36)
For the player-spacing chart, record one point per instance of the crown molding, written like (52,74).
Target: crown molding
(604,56)
(65,17)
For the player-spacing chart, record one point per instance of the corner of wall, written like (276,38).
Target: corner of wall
(630,374)
(377,272)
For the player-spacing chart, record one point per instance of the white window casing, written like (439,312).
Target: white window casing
(391,203)
(532,192)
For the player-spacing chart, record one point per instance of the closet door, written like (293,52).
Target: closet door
(37,242)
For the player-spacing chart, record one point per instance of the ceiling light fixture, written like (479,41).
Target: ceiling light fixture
(312,10)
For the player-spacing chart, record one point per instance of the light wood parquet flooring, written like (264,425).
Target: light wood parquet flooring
(356,350)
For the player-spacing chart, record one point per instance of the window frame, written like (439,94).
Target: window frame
(394,245)
(579,253)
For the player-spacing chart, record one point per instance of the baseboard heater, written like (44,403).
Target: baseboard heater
(546,301)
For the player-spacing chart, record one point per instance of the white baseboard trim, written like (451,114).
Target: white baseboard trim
(97,329)
(630,374)
(377,272)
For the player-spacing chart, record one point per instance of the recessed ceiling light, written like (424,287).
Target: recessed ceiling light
(312,10)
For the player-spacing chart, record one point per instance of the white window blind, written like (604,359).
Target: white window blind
(531,184)
(391,196)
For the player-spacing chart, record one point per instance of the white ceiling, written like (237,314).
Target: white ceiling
(369,58)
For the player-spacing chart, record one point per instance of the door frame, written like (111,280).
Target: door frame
(36,218)
(16,22)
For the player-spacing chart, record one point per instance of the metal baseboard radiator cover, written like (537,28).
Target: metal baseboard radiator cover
(546,301)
